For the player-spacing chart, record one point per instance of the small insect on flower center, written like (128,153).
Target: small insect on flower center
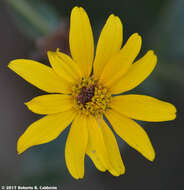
(91,97)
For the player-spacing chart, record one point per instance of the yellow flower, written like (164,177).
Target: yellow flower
(83,89)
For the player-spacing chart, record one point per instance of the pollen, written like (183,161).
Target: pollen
(90,97)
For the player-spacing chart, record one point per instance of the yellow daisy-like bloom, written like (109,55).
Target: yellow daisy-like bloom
(83,87)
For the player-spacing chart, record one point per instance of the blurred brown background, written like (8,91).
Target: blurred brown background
(28,29)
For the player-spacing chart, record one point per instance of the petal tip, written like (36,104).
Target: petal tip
(28,105)
(114,18)
(152,159)
(151,52)
(136,37)
(11,64)
(121,173)
(111,16)
(78,177)
(174,109)
(173,116)
(82,9)
(75,8)
(19,151)
(136,34)
(151,156)
(15,64)
(20,146)
(78,9)
(117,173)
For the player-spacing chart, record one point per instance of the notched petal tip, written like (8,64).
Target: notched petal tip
(116,173)
(114,18)
(117,18)
(137,37)
(78,9)
(152,56)
(173,111)
(122,171)
(152,53)
(82,9)
(77,176)
(75,8)
(75,11)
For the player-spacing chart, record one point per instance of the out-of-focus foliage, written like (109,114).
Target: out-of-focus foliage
(34,17)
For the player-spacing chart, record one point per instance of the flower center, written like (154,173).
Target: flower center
(90,97)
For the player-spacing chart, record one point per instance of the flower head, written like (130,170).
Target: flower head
(82,88)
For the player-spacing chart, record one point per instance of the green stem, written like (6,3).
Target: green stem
(23,8)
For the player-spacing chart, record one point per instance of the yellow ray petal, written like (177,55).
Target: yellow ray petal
(64,66)
(117,166)
(109,43)
(144,108)
(121,62)
(40,75)
(132,133)
(50,104)
(44,130)
(96,148)
(75,148)
(96,159)
(138,72)
(81,40)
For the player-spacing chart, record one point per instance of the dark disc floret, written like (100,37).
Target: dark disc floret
(86,94)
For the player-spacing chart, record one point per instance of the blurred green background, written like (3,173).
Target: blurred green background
(28,28)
